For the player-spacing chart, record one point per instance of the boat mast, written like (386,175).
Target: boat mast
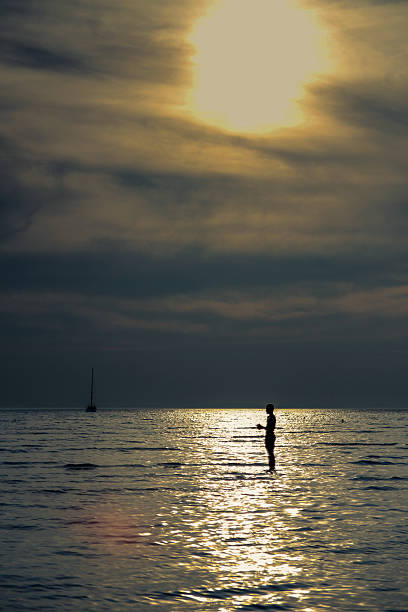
(92,379)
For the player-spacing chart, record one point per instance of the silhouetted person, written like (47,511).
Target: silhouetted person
(270,435)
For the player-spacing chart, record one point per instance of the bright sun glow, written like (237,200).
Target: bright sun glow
(252,60)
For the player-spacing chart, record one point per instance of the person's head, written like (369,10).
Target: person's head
(269,408)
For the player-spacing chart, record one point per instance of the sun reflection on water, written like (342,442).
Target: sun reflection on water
(200,523)
(208,513)
(245,528)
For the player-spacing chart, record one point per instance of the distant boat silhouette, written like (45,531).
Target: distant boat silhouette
(91,407)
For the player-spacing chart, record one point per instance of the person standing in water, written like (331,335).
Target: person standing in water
(270,435)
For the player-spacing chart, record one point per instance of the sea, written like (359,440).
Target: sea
(176,510)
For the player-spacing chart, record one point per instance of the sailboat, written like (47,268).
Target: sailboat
(91,407)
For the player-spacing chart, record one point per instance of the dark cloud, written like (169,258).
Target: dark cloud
(95,39)
(18,204)
(18,7)
(181,368)
(36,57)
(376,106)
(112,272)
(27,186)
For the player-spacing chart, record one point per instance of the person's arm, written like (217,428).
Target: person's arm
(259,426)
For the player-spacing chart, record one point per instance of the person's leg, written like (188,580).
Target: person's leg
(271,457)
(270,447)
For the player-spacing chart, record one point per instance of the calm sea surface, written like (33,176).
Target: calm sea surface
(174,510)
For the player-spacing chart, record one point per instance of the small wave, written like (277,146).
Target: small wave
(366,431)
(356,443)
(46,587)
(107,448)
(265,607)
(153,448)
(34,463)
(11,481)
(144,489)
(171,464)
(80,466)
(312,431)
(378,488)
(73,553)
(120,465)
(32,445)
(15,505)
(83,522)
(227,593)
(385,589)
(207,437)
(241,464)
(55,491)
(378,478)
(372,462)
(355,550)
(19,527)
(393,457)
(309,464)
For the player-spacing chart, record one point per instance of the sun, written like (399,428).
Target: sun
(252,60)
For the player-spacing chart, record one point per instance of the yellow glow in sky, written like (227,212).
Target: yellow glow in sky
(252,59)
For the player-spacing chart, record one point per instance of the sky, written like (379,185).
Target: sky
(206,201)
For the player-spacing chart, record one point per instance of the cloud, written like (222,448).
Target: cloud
(31,56)
(128,39)
(126,222)
(366,105)
(104,130)
(23,189)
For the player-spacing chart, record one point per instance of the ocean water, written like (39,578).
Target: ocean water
(175,510)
